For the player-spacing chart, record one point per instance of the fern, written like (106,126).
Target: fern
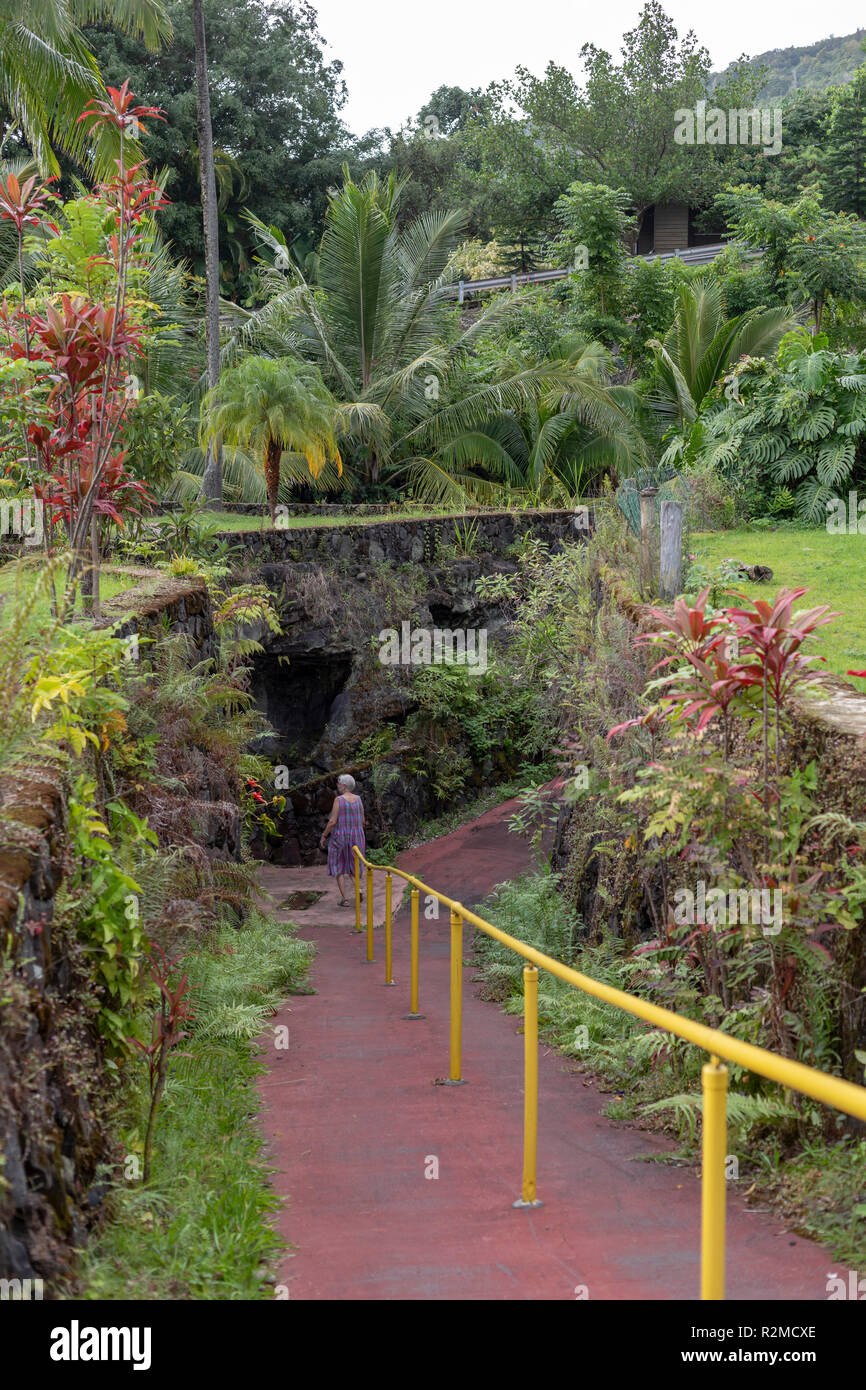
(237,1020)
(744,1112)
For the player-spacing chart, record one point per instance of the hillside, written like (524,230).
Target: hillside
(824,64)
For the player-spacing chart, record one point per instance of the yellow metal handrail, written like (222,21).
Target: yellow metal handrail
(830,1090)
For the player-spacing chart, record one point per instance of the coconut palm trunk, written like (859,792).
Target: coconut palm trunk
(212,482)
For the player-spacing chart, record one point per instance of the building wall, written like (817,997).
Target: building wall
(671,227)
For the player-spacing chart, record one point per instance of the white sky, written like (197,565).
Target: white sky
(396,52)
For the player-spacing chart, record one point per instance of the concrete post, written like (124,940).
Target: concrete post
(671,550)
(648,541)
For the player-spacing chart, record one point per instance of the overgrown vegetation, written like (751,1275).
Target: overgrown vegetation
(154,921)
(202,1228)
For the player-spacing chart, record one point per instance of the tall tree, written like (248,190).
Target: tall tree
(617,128)
(212,483)
(279,143)
(433,161)
(520,174)
(809,253)
(844,163)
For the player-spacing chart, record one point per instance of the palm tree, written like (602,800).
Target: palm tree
(382,325)
(547,450)
(270,406)
(702,345)
(48,74)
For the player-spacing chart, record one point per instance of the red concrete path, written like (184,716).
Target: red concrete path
(353,1121)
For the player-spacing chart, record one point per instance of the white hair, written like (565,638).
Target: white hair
(344,780)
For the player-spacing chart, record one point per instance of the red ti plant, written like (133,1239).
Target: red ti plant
(708,684)
(23,204)
(652,721)
(774,635)
(174,1010)
(86,349)
(79,343)
(133,196)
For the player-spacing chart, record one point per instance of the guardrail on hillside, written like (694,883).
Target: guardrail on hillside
(830,1090)
(691,255)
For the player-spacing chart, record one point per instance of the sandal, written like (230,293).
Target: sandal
(344,902)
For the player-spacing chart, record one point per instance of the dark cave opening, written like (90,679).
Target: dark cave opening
(296,698)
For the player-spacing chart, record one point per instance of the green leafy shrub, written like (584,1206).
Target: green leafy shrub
(792,433)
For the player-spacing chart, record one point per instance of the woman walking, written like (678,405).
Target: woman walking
(346,828)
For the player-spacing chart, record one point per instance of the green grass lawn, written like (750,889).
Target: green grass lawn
(112,580)
(830,566)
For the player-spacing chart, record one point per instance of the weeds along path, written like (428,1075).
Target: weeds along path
(357,1129)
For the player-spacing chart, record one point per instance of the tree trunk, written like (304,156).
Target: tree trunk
(273,453)
(819,314)
(212,483)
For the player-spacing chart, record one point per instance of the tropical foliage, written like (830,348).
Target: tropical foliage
(340,361)
(381,325)
(48,73)
(793,431)
(271,407)
(702,345)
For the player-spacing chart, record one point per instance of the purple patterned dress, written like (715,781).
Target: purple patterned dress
(348,831)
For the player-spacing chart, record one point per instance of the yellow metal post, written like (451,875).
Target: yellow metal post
(413,961)
(388,980)
(715,1086)
(530,1088)
(454,1078)
(369,914)
(357,892)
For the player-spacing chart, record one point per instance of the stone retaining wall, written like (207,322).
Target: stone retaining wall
(414,541)
(326,509)
(171,606)
(52,1082)
(50,1059)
